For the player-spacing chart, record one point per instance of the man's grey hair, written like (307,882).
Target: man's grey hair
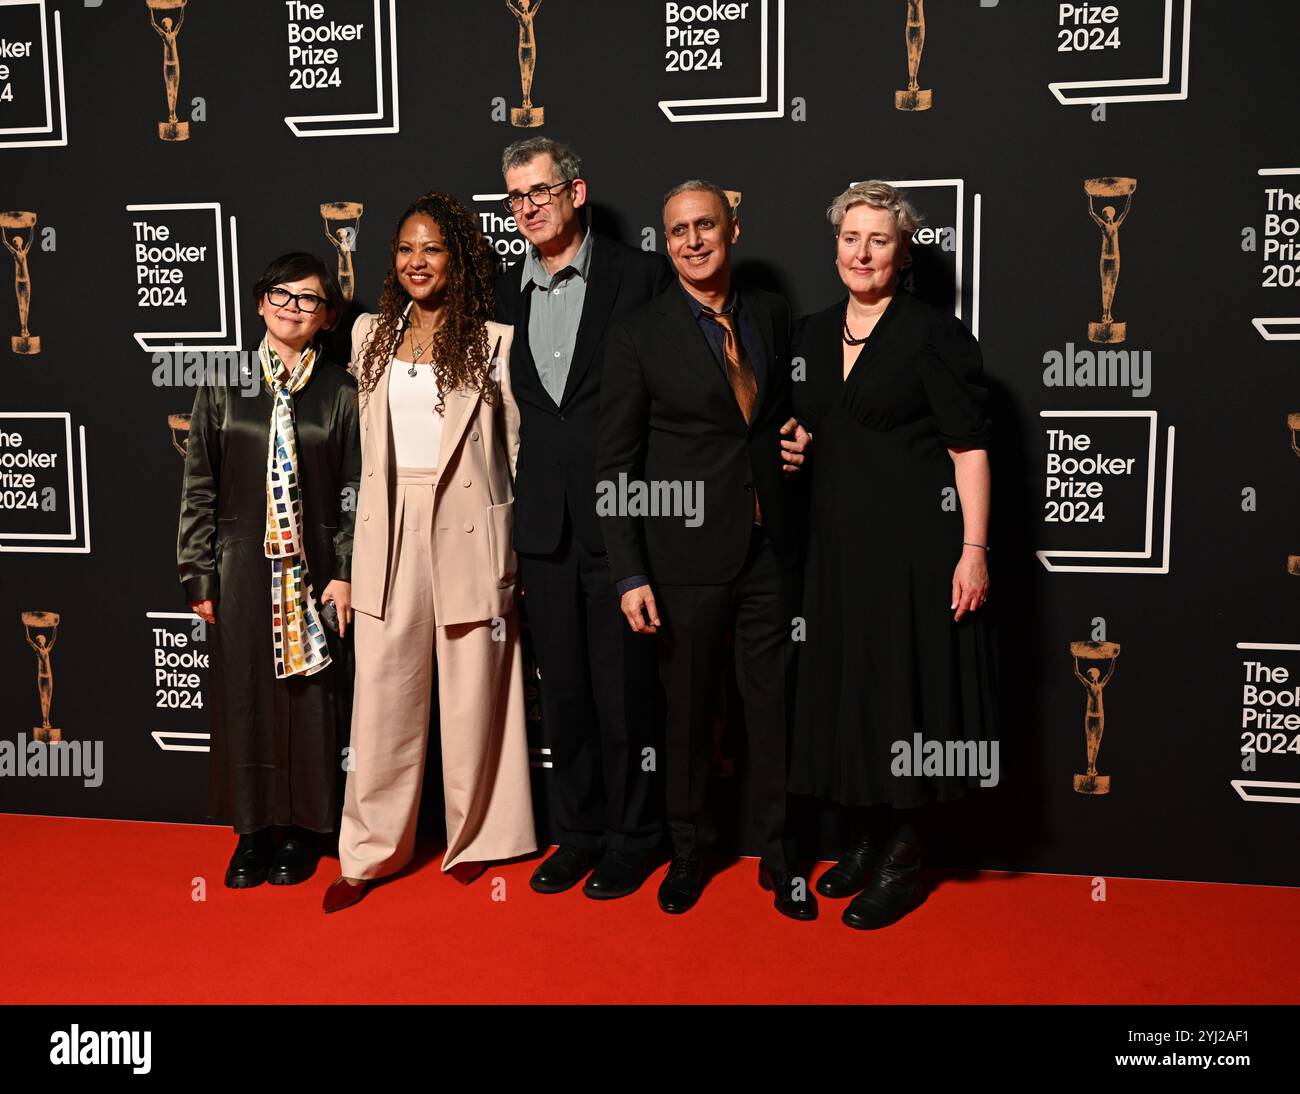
(694,185)
(879,195)
(567,163)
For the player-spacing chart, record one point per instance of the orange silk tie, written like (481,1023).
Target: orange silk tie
(740,374)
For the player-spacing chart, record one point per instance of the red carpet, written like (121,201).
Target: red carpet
(102,911)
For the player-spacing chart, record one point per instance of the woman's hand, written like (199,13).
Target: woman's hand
(970,581)
(340,592)
(205,610)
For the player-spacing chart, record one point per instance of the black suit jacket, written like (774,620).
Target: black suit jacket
(667,412)
(557,449)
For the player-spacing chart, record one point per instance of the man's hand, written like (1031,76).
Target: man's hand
(639,607)
(792,451)
(205,610)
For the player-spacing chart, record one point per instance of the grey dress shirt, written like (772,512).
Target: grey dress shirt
(555,309)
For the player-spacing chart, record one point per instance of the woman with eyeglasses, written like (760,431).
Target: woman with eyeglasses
(434,573)
(265,556)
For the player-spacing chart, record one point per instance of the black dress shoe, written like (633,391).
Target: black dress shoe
(619,873)
(894,891)
(792,896)
(564,869)
(251,861)
(851,874)
(681,886)
(295,861)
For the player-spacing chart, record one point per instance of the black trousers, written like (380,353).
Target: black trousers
(601,702)
(759,606)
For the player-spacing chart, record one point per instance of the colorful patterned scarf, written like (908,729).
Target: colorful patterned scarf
(300,646)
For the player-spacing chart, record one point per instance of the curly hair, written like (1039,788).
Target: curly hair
(460,347)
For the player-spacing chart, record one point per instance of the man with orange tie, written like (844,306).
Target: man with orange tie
(695,396)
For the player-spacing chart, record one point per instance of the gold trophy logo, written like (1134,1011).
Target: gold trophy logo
(24,342)
(167,18)
(733,198)
(43,643)
(526,116)
(179,424)
(915,97)
(1107,330)
(1094,719)
(342,225)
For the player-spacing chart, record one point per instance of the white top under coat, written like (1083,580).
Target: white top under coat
(416,425)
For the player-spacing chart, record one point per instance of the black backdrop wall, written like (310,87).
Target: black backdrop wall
(1175,539)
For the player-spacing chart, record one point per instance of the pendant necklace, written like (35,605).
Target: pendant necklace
(419,352)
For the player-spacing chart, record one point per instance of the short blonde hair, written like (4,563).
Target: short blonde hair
(879,195)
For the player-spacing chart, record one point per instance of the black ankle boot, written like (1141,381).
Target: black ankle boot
(251,861)
(851,873)
(894,890)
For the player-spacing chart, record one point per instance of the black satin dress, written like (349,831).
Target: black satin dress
(882,658)
(275,752)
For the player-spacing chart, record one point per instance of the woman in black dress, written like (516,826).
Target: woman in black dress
(896,645)
(265,543)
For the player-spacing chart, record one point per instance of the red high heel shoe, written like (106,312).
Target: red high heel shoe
(465,872)
(343,894)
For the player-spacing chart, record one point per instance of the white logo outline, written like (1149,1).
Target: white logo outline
(48,127)
(1241,785)
(171,340)
(672,108)
(1058,86)
(1045,557)
(296,121)
(71,534)
(1266,324)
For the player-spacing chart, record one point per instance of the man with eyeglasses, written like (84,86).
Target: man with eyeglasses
(599,689)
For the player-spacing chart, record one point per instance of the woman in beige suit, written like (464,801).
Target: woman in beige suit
(433,570)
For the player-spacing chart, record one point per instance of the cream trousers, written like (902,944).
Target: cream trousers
(480,707)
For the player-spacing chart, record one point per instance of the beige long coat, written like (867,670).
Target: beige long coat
(473,501)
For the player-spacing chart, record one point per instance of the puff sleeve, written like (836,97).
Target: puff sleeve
(952,370)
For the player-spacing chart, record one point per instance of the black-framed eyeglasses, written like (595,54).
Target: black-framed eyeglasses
(538,195)
(307,301)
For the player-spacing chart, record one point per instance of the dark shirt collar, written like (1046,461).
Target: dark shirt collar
(697,309)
